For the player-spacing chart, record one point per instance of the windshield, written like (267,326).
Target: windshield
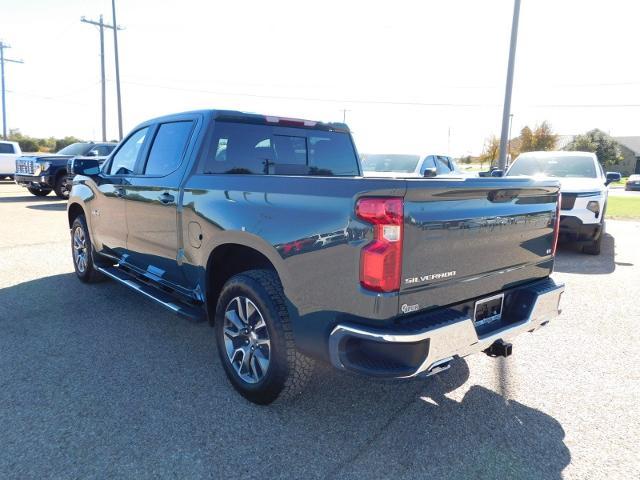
(560,166)
(389,163)
(75,149)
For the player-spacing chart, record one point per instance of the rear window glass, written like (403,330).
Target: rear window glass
(6,148)
(168,148)
(269,150)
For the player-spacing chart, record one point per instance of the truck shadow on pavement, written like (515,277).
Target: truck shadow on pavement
(60,206)
(97,381)
(571,260)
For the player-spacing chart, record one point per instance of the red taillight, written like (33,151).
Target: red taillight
(381,260)
(556,226)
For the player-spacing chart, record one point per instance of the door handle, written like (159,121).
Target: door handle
(166,198)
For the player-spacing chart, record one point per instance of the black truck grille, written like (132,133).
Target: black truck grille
(568,200)
(25,167)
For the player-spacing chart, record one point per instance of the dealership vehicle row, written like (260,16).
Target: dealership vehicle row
(97,381)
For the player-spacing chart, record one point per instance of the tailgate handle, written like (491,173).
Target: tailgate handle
(501,196)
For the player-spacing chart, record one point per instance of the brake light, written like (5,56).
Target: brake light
(556,226)
(381,259)
(291,122)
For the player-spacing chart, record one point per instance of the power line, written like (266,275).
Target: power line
(101,26)
(3,46)
(371,102)
(115,48)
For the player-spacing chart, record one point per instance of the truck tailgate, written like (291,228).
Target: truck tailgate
(467,238)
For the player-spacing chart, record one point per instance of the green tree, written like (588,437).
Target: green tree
(526,140)
(491,151)
(606,148)
(541,138)
(60,143)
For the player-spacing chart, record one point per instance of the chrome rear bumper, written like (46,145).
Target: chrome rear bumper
(445,334)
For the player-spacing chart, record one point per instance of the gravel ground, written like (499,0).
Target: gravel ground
(97,382)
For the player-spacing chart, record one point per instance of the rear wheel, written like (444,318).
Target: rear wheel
(39,192)
(82,252)
(61,187)
(255,341)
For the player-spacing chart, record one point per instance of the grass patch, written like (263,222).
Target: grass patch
(623,207)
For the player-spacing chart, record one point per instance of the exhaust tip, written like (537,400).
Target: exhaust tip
(499,348)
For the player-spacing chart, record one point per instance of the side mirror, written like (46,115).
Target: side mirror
(613,177)
(92,153)
(430,172)
(497,173)
(84,166)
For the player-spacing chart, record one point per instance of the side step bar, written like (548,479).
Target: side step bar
(190,312)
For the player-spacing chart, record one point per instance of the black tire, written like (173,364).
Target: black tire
(86,271)
(288,370)
(60,187)
(39,192)
(594,247)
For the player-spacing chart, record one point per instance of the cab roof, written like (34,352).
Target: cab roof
(255,118)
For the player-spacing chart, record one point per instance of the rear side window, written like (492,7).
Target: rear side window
(125,159)
(6,148)
(270,150)
(168,148)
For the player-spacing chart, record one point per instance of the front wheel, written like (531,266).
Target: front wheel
(82,252)
(39,192)
(61,189)
(255,340)
(594,247)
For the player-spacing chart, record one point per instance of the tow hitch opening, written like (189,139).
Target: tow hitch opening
(499,348)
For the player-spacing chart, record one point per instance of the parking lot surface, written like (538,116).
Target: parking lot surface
(98,382)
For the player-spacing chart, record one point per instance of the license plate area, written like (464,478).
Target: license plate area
(488,310)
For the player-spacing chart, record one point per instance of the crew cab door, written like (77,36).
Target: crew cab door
(153,196)
(108,210)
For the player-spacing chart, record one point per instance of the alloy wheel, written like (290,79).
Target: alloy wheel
(80,251)
(246,339)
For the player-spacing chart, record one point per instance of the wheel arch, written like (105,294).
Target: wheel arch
(231,258)
(73,211)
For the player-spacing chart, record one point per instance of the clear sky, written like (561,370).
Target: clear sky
(413,76)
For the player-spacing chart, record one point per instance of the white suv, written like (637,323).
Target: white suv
(583,185)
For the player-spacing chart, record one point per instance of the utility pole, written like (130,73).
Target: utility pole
(115,48)
(507,94)
(509,136)
(4,104)
(344,115)
(101,26)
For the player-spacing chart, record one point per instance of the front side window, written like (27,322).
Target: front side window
(6,148)
(168,148)
(125,159)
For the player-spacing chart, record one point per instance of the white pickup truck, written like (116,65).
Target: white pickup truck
(9,151)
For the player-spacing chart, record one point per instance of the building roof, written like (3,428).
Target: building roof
(632,143)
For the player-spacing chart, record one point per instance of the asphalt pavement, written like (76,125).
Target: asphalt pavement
(98,382)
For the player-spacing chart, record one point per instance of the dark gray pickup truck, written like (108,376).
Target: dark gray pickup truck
(266,227)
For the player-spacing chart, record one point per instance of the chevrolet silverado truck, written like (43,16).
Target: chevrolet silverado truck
(265,227)
(43,173)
